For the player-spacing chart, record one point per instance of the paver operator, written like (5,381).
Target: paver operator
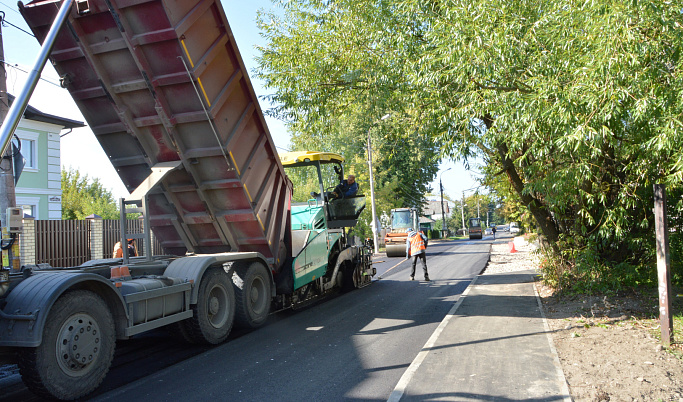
(347,188)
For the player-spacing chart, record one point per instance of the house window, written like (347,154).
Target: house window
(30,205)
(29,210)
(28,151)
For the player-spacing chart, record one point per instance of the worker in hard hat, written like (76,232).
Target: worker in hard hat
(415,247)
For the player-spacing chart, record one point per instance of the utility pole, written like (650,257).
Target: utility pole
(14,114)
(7,194)
(443,216)
(372,197)
(374,227)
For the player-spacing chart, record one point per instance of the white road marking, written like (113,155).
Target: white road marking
(400,388)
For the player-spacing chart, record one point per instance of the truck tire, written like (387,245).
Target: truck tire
(76,351)
(214,313)
(252,295)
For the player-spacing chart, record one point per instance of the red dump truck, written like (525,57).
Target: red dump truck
(163,87)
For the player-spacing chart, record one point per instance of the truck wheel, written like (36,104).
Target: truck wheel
(252,294)
(76,351)
(215,309)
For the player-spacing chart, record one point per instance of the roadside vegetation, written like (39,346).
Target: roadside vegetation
(82,197)
(575,108)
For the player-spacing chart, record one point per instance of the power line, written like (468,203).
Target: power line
(15,66)
(10,8)
(4,21)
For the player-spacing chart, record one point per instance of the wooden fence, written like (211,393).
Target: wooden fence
(69,243)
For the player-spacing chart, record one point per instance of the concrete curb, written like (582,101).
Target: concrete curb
(564,386)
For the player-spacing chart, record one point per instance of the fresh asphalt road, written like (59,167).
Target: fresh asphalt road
(355,346)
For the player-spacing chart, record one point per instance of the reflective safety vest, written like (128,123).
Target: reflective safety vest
(118,251)
(417,244)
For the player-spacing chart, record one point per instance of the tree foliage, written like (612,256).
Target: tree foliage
(331,94)
(82,197)
(577,104)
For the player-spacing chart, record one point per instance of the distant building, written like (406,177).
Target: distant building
(426,223)
(432,209)
(39,189)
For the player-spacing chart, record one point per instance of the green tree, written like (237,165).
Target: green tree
(82,197)
(576,104)
(328,94)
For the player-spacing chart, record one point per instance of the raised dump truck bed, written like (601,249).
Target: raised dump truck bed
(162,81)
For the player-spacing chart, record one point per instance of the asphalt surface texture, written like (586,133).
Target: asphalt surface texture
(462,336)
(493,347)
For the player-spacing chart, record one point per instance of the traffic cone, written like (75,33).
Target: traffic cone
(511,244)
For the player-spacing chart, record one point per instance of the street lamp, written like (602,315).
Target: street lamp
(372,187)
(443,217)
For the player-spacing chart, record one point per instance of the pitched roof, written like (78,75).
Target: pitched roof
(34,114)
(434,207)
(424,219)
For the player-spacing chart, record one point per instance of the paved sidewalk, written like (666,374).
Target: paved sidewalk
(492,346)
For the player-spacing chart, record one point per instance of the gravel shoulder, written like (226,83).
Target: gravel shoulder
(608,345)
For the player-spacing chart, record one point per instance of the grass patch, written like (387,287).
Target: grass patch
(676,347)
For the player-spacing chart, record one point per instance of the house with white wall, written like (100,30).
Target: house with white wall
(432,209)
(39,189)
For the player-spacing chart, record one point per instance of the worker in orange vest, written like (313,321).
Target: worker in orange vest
(415,247)
(132,250)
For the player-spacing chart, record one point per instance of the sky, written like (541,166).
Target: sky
(79,148)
